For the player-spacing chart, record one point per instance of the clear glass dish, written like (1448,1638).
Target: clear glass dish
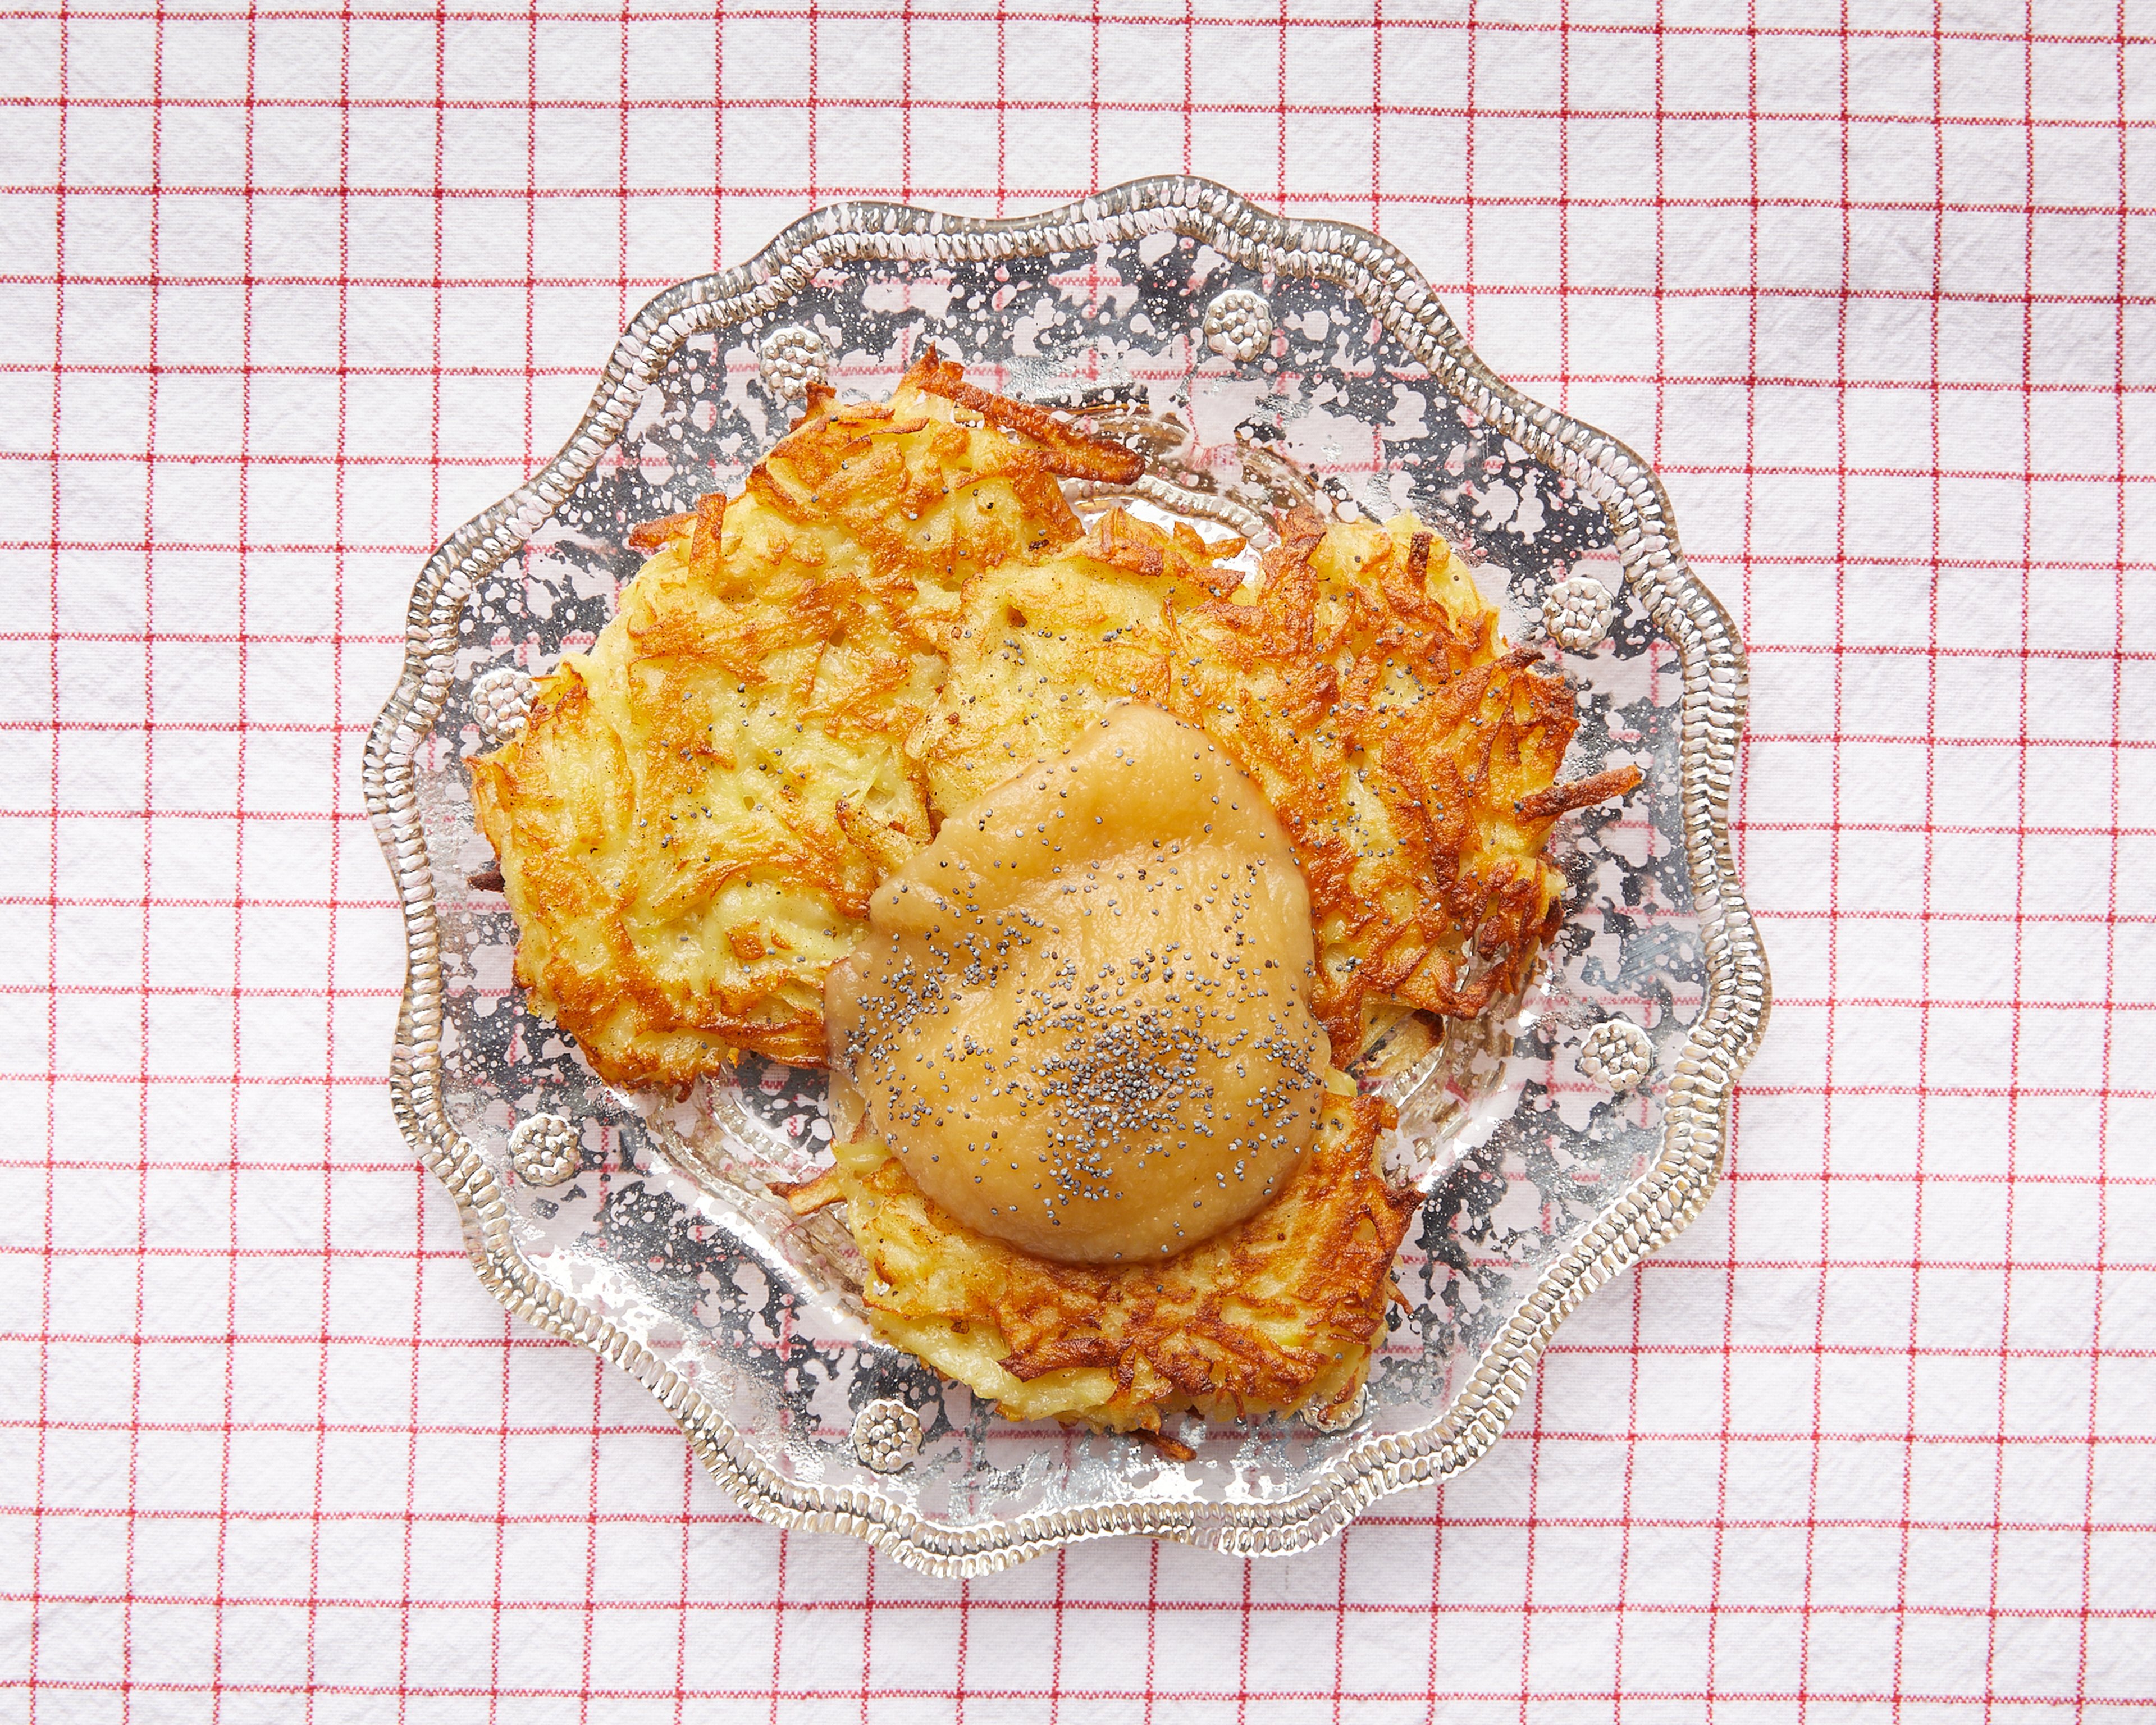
(1258,360)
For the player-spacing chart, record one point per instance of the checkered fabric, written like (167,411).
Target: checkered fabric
(288,292)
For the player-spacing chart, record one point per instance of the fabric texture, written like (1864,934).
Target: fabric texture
(289,292)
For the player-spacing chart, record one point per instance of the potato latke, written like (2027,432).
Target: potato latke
(1281,1311)
(692,821)
(1363,687)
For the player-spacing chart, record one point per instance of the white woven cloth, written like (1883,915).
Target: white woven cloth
(287,295)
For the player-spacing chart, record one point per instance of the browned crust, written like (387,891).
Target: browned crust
(1485,729)
(649,536)
(806,1197)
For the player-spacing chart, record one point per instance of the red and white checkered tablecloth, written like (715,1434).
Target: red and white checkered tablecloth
(289,291)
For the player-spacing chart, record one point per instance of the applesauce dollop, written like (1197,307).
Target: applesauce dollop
(1079,1016)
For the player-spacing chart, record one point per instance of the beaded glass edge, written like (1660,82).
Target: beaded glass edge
(1648,1212)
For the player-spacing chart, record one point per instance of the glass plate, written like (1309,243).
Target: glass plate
(1258,360)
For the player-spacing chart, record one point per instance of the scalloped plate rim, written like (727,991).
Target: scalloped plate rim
(1649,1212)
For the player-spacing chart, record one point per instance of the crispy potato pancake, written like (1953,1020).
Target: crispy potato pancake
(1283,1311)
(1362,686)
(898,614)
(691,822)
